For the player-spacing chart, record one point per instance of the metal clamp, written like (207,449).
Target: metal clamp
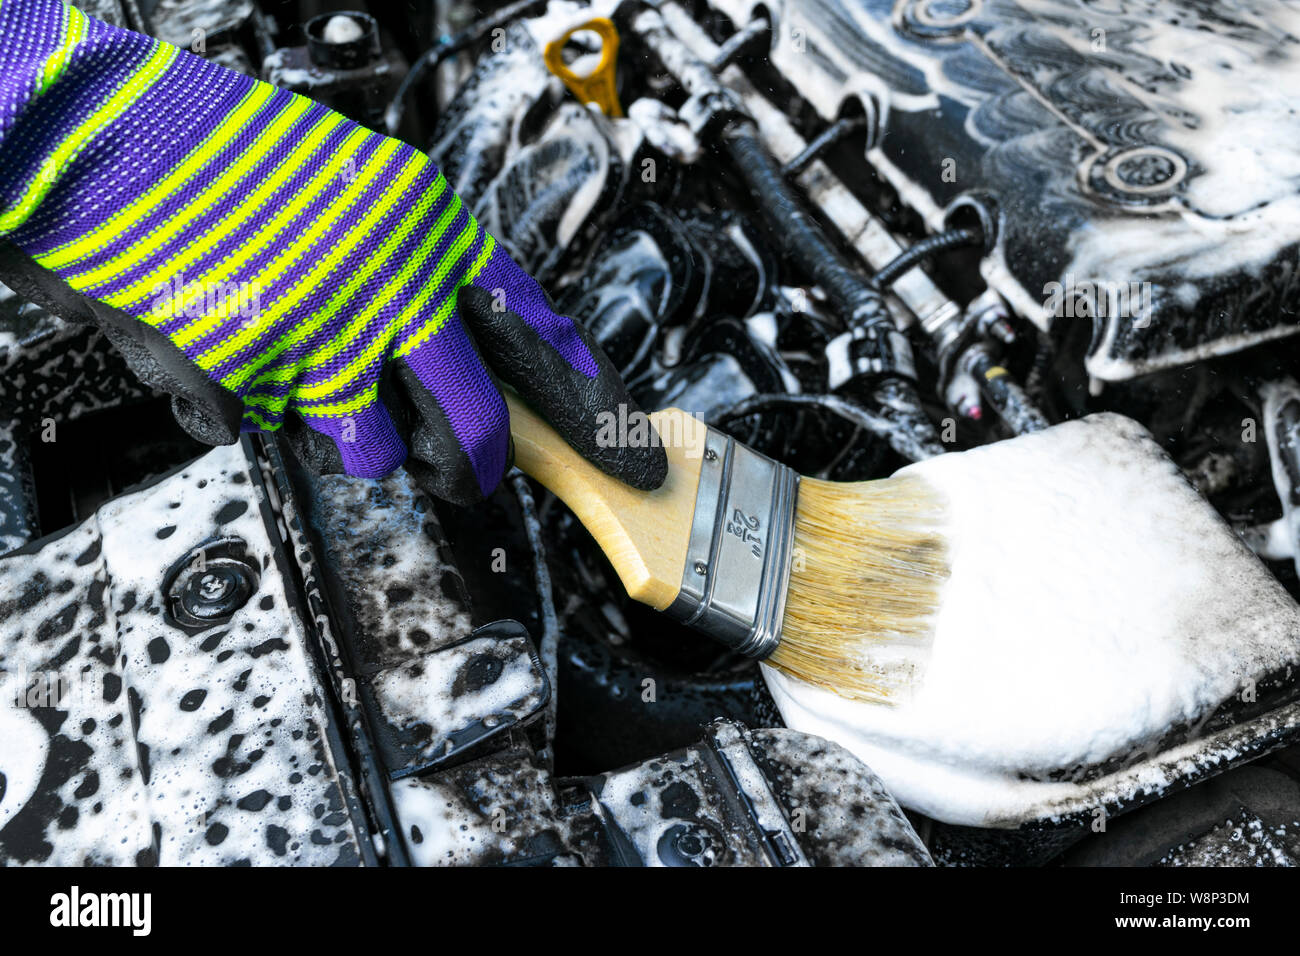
(738,560)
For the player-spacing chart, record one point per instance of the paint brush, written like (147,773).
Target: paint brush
(814,577)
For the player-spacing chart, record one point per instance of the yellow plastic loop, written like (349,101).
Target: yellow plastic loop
(597,86)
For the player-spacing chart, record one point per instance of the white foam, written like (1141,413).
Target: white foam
(342,29)
(22,760)
(1096,601)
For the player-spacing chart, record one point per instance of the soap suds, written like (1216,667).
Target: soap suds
(342,29)
(1096,603)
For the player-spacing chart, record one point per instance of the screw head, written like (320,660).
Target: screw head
(701,567)
(209,585)
(213,587)
(217,593)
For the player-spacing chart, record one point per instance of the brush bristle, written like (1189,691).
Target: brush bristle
(869,561)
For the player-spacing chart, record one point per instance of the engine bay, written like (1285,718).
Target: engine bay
(853,234)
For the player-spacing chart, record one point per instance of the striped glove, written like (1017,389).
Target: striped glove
(256,255)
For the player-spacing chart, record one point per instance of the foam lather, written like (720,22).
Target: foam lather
(1096,604)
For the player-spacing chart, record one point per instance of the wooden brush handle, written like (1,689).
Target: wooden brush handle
(644,534)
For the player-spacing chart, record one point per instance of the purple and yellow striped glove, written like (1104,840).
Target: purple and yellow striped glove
(266,260)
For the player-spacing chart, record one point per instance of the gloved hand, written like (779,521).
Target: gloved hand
(263,259)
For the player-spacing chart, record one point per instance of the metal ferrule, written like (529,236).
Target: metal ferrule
(738,560)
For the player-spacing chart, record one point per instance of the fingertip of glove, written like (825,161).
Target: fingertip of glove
(644,468)
(454,485)
(211,422)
